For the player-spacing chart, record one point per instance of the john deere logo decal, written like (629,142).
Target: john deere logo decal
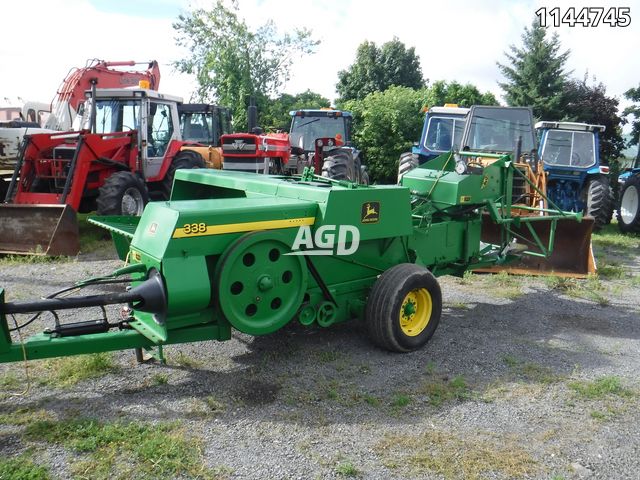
(370,212)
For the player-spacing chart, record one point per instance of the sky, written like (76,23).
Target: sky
(456,39)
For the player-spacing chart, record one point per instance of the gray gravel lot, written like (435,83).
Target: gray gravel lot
(501,390)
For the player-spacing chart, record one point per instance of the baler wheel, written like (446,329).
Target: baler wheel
(259,287)
(629,206)
(404,308)
(123,193)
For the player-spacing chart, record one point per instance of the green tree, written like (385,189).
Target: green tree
(633,94)
(231,62)
(276,114)
(442,92)
(385,125)
(377,68)
(589,104)
(536,73)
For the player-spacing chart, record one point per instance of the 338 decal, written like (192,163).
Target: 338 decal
(193,228)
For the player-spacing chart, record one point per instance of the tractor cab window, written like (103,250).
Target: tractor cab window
(566,148)
(443,134)
(497,130)
(8,114)
(161,128)
(115,115)
(196,127)
(305,130)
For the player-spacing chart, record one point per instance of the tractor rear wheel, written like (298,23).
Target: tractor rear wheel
(184,159)
(629,206)
(123,193)
(403,309)
(339,166)
(408,161)
(598,198)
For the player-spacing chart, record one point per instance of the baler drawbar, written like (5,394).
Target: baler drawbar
(235,250)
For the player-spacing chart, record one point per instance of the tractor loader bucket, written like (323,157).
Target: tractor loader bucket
(571,256)
(38,230)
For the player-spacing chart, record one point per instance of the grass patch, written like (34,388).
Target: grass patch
(10,381)
(68,371)
(328,356)
(24,416)
(441,390)
(347,469)
(207,407)
(451,456)
(400,400)
(114,450)
(600,388)
(186,361)
(22,467)
(160,379)
(589,289)
(611,238)
(530,371)
(467,278)
(611,271)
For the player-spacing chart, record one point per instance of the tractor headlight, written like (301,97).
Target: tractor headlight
(461,167)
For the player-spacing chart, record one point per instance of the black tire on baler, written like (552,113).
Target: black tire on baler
(123,193)
(387,307)
(598,200)
(339,165)
(629,206)
(408,161)
(184,159)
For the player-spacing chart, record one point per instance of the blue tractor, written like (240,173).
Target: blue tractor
(442,132)
(576,180)
(629,205)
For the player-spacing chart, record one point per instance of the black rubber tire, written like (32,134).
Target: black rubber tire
(629,220)
(339,165)
(119,184)
(597,198)
(385,301)
(408,161)
(184,159)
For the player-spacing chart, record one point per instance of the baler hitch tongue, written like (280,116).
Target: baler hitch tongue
(38,230)
(571,254)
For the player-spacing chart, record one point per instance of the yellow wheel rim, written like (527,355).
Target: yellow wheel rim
(415,312)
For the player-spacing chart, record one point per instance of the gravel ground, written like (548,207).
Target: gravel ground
(495,394)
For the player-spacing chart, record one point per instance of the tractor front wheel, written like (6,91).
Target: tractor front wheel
(404,308)
(598,200)
(184,159)
(123,193)
(629,207)
(408,161)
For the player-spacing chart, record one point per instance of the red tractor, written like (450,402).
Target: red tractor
(128,152)
(318,138)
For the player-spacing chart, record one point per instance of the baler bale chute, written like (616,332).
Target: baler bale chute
(251,252)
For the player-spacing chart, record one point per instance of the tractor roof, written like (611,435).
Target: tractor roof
(134,92)
(449,110)
(576,127)
(320,112)
(198,107)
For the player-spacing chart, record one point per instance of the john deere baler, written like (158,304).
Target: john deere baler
(251,252)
